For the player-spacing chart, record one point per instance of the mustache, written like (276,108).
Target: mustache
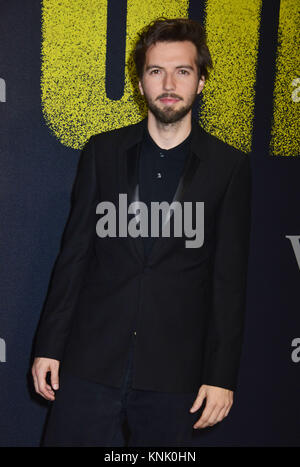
(170,96)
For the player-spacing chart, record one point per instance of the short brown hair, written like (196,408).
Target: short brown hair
(170,30)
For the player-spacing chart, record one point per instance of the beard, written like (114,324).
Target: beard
(168,114)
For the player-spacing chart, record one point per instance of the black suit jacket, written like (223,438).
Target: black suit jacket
(188,303)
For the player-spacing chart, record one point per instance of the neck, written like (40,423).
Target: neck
(169,135)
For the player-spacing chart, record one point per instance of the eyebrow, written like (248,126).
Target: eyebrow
(148,67)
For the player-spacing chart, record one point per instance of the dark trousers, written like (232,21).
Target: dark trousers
(85,413)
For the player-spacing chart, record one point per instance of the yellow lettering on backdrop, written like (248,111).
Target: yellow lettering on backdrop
(228,97)
(74,101)
(285,133)
(73,75)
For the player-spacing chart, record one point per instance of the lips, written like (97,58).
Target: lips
(169,100)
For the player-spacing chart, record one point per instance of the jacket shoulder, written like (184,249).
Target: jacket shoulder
(222,152)
(106,144)
(116,133)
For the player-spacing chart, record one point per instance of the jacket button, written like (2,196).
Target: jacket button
(134,332)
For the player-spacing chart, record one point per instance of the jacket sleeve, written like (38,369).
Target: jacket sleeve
(229,278)
(71,263)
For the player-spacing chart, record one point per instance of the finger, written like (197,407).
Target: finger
(49,388)
(198,402)
(54,378)
(228,409)
(43,386)
(205,416)
(211,418)
(46,391)
(221,414)
(35,381)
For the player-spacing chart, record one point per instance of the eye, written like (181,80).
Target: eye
(185,71)
(152,71)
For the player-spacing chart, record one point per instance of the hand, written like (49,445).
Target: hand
(218,404)
(39,370)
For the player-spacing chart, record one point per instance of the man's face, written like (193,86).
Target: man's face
(170,83)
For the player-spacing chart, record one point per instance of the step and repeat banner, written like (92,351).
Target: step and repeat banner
(66,72)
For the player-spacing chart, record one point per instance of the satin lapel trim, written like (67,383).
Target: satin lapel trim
(132,189)
(190,168)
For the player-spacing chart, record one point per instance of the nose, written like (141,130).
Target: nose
(168,82)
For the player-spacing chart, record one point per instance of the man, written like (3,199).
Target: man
(148,330)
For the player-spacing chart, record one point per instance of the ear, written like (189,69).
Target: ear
(201,84)
(141,88)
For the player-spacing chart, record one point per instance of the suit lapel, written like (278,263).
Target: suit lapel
(133,196)
(129,178)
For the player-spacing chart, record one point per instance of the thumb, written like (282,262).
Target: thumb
(198,401)
(54,378)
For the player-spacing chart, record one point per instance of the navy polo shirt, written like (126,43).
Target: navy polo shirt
(159,174)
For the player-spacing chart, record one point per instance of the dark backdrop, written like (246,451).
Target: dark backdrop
(37,173)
